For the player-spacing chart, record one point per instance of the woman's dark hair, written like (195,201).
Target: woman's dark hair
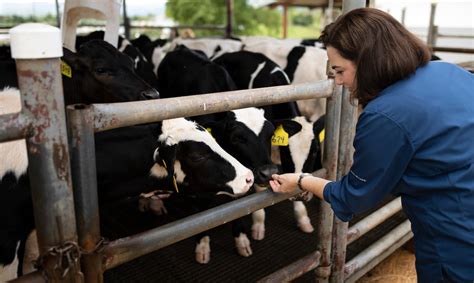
(382,50)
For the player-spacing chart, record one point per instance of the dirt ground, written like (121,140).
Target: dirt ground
(397,268)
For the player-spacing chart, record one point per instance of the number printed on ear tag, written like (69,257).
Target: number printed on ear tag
(280,137)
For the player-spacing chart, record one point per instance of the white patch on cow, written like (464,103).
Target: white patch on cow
(277,69)
(253,118)
(13,153)
(156,58)
(9,272)
(124,45)
(255,74)
(178,172)
(300,143)
(160,172)
(177,130)
(301,215)
(136,62)
(209,45)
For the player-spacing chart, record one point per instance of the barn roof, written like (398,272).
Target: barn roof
(305,3)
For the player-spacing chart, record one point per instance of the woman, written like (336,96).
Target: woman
(415,138)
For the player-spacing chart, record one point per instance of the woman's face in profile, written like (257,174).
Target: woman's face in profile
(343,69)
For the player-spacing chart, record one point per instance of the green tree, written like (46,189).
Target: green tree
(247,19)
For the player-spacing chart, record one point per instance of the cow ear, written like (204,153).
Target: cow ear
(71,59)
(290,126)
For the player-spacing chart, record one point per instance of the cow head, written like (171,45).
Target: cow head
(99,73)
(188,154)
(246,135)
(303,153)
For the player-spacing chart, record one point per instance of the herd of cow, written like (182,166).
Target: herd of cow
(200,161)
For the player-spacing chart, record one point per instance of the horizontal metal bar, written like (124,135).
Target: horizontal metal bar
(14,126)
(129,248)
(374,219)
(454,36)
(452,49)
(294,270)
(377,248)
(115,115)
(366,268)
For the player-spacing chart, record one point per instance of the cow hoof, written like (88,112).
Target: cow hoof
(242,243)
(258,231)
(203,250)
(305,225)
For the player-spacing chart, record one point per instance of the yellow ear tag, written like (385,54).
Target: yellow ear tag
(280,137)
(66,69)
(321,136)
(209,130)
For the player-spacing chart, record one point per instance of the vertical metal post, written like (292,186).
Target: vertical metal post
(37,48)
(230,16)
(326,215)
(347,129)
(126,21)
(84,177)
(432,29)
(404,13)
(285,21)
(58,16)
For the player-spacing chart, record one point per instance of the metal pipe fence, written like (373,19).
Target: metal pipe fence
(53,197)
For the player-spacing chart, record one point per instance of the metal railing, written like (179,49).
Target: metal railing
(49,165)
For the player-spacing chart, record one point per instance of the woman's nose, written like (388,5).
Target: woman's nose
(338,80)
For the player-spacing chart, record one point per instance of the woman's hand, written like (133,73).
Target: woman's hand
(285,183)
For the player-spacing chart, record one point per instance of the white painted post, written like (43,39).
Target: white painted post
(75,10)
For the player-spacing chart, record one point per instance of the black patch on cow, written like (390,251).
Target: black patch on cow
(17,209)
(292,61)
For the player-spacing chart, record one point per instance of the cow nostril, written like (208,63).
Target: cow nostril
(249,180)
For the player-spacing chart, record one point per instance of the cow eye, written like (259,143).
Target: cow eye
(103,71)
(197,158)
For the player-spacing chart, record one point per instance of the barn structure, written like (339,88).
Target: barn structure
(71,230)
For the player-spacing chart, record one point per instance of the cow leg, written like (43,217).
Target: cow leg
(258,219)
(203,249)
(242,242)
(302,219)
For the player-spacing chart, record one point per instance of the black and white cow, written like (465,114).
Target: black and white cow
(302,64)
(98,73)
(253,70)
(244,133)
(302,154)
(142,66)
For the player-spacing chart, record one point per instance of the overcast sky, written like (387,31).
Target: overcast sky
(449,13)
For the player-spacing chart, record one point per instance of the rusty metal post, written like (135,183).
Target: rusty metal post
(326,215)
(84,177)
(347,131)
(346,137)
(37,48)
